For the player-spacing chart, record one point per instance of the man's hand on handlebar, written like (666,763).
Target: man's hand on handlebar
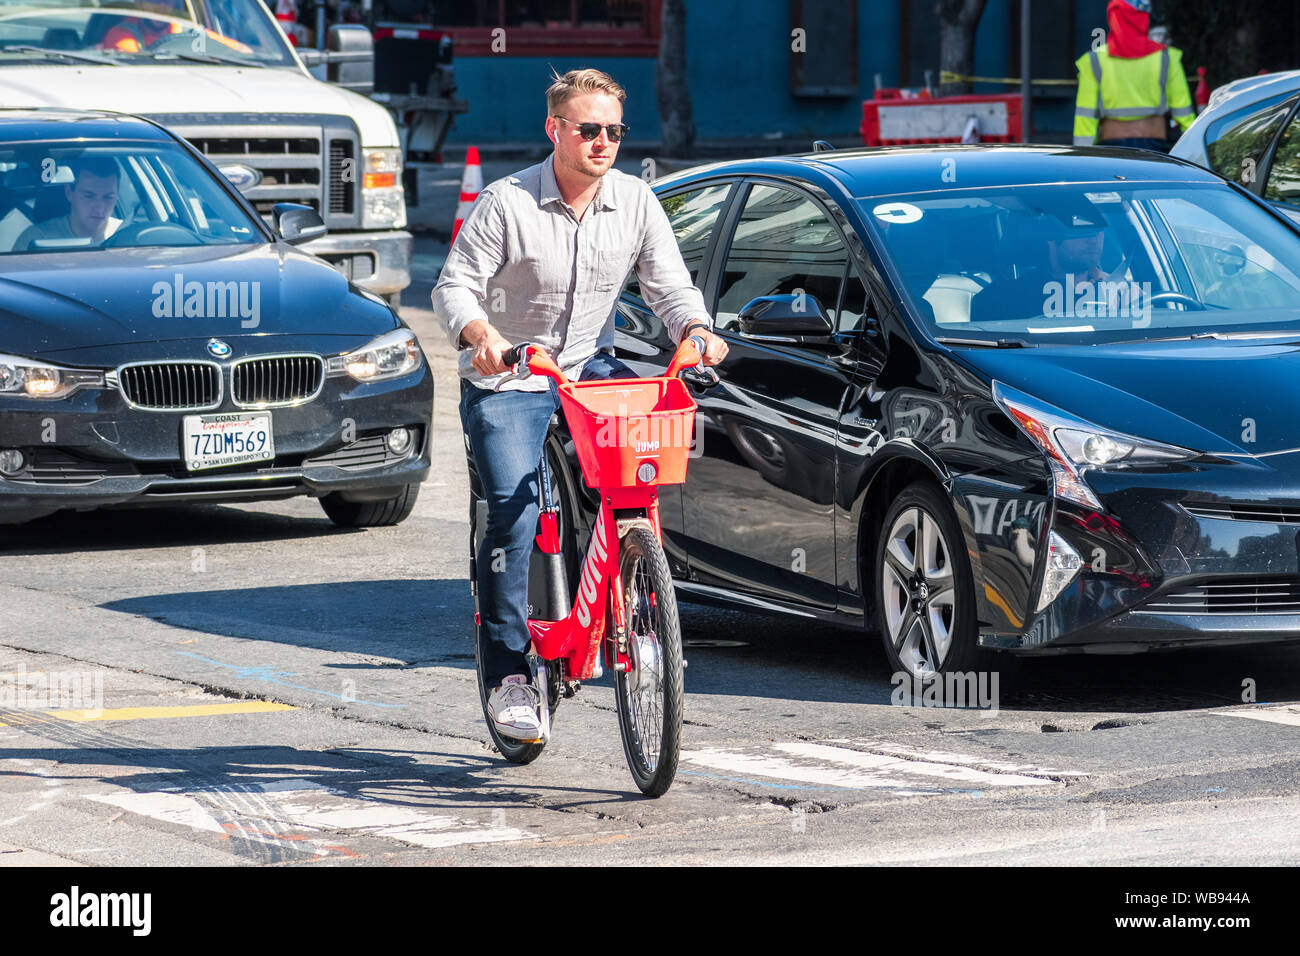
(488,345)
(715,347)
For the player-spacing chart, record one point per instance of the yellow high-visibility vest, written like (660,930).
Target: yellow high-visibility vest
(1127,89)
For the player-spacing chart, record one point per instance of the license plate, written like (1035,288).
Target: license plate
(214,441)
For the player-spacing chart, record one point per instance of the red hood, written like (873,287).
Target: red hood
(1128,32)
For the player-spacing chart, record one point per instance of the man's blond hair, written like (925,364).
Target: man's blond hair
(577,83)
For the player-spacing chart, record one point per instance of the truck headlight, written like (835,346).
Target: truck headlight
(391,355)
(28,378)
(1074,445)
(383,201)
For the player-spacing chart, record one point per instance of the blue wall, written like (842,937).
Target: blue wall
(738,56)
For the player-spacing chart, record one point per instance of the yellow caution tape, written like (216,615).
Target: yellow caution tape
(947,76)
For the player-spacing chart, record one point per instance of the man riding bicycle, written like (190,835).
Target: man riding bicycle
(541,258)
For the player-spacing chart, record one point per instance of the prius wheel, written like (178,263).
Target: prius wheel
(370,514)
(925,595)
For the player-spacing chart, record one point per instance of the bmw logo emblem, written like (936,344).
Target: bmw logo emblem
(218,348)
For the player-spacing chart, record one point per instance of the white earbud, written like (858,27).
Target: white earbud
(554,138)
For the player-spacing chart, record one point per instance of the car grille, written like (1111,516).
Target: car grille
(1231,596)
(370,452)
(1236,511)
(309,164)
(47,466)
(278,380)
(171,386)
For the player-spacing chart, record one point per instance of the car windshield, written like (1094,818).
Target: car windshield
(140,31)
(78,196)
(1081,263)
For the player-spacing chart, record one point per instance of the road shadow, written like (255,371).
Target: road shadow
(417,622)
(782,657)
(126,528)
(230,791)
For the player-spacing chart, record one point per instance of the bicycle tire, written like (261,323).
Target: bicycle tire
(652,747)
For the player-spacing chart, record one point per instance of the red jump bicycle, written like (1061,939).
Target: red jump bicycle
(631,436)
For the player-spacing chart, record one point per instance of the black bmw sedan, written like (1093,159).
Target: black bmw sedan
(160,343)
(1032,399)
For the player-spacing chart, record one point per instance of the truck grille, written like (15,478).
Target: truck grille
(313,165)
(171,386)
(277,380)
(1231,596)
(343,173)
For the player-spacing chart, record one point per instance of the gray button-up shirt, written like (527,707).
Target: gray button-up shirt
(524,262)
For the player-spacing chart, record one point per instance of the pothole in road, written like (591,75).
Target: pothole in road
(1108,724)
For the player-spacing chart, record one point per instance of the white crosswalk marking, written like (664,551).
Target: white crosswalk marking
(312,810)
(1273,715)
(900,770)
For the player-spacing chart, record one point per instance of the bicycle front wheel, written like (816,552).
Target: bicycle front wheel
(649,693)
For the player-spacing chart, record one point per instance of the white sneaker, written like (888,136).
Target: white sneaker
(513,708)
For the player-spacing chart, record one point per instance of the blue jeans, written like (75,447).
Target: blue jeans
(506,432)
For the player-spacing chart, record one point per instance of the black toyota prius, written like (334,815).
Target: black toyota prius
(1036,399)
(161,343)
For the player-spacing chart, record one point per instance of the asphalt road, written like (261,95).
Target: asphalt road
(272,690)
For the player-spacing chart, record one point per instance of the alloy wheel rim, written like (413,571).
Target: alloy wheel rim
(919,593)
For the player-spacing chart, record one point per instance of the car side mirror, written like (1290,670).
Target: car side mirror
(351,61)
(295,223)
(794,319)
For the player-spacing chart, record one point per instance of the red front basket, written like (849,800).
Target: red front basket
(618,425)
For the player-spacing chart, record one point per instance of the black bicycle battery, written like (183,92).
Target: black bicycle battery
(548,590)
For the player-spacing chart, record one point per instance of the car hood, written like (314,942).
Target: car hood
(67,303)
(1202,395)
(192,90)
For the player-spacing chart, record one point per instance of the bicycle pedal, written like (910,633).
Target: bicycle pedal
(571,687)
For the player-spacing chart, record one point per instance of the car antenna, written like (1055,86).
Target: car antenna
(821,146)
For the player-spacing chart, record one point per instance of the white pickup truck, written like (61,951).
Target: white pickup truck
(221,74)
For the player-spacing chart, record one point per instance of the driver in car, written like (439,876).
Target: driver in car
(91,198)
(1072,273)
(133,34)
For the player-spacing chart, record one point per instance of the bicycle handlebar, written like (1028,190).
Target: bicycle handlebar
(534,360)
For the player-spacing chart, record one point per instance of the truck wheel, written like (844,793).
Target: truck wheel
(370,514)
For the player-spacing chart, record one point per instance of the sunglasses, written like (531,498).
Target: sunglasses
(590,131)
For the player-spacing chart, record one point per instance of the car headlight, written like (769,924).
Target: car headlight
(391,355)
(383,202)
(28,378)
(1074,445)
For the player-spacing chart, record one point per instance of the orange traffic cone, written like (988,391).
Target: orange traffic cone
(286,11)
(471,184)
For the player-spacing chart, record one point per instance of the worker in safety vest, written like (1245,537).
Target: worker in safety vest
(1129,86)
